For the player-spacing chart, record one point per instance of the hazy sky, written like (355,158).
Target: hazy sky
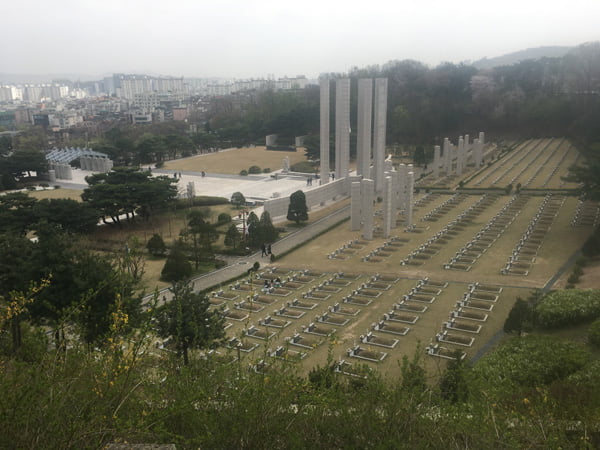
(252,38)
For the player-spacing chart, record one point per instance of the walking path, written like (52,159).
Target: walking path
(240,265)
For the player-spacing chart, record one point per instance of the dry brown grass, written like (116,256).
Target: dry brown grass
(232,161)
(56,193)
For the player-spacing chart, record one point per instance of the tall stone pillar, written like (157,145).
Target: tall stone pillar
(402,172)
(388,208)
(460,156)
(477,153)
(342,127)
(482,138)
(355,206)
(447,157)
(379,127)
(436,162)
(395,196)
(410,187)
(365,117)
(367,192)
(468,147)
(324,131)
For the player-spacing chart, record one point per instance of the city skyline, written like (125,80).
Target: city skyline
(234,39)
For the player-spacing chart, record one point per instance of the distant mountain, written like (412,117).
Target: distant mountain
(515,57)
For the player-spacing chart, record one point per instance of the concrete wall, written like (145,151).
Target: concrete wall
(334,190)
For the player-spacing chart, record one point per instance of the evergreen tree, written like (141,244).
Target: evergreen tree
(297,209)
(187,319)
(233,236)
(267,230)
(253,229)
(520,317)
(454,386)
(156,246)
(177,267)
(238,200)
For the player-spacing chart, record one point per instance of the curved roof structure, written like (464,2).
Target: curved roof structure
(66,155)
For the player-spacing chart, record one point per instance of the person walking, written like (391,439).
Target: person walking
(263,248)
(269,249)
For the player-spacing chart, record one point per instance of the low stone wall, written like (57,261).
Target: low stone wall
(335,190)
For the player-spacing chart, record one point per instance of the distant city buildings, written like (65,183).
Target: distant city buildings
(66,107)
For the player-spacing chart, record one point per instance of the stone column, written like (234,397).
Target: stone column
(395,196)
(477,153)
(367,192)
(379,136)
(482,138)
(388,209)
(401,200)
(365,116)
(68,175)
(355,206)
(466,152)
(324,131)
(342,127)
(447,157)
(460,155)
(410,187)
(436,162)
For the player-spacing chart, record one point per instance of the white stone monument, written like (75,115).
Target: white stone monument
(388,216)
(324,131)
(342,127)
(355,206)
(367,191)
(363,137)
(436,162)
(379,130)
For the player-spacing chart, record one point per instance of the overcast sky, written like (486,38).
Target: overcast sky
(255,38)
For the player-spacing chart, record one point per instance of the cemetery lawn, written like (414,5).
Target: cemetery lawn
(232,161)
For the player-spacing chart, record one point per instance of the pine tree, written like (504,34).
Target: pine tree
(177,266)
(297,210)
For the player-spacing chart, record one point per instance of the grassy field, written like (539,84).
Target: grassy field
(232,161)
(56,193)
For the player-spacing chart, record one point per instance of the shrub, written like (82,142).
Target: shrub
(569,307)
(594,334)
(531,361)
(243,172)
(302,166)
(254,170)
(238,200)
(177,267)
(591,247)
(266,170)
(159,164)
(156,246)
(573,278)
(203,200)
(223,218)
(44,185)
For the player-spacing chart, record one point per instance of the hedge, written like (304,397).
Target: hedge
(568,307)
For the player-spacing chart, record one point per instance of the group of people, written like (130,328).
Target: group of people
(266,249)
(274,284)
